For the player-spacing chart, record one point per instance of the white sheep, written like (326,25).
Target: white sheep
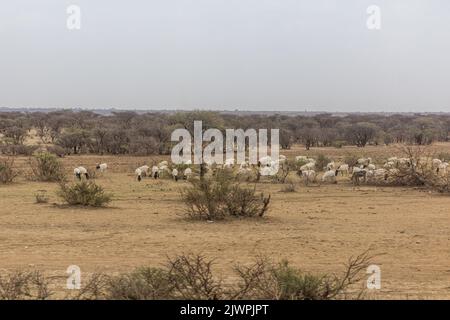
(371,166)
(138,173)
(102,167)
(155,172)
(301,158)
(308,176)
(229,163)
(442,168)
(187,173)
(175,174)
(81,171)
(330,176)
(144,170)
(331,166)
(265,161)
(344,169)
(308,166)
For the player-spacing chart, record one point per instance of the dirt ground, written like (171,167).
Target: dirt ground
(317,228)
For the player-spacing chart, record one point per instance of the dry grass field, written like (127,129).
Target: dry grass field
(317,227)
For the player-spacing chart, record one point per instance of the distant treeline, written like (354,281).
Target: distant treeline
(75,132)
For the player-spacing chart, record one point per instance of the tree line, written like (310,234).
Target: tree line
(82,132)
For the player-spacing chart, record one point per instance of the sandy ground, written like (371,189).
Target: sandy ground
(317,228)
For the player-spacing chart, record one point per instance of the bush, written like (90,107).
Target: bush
(85,193)
(24,285)
(46,167)
(321,162)
(219,196)
(141,284)
(269,281)
(7,172)
(41,196)
(18,149)
(289,187)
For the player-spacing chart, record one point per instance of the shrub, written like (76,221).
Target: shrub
(266,280)
(18,149)
(321,162)
(141,284)
(41,196)
(23,285)
(7,172)
(218,196)
(46,167)
(85,193)
(289,187)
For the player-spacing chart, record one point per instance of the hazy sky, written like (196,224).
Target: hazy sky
(226,54)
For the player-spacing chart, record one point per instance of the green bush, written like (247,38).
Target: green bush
(219,196)
(84,193)
(46,167)
(321,162)
(7,172)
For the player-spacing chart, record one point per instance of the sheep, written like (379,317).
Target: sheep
(308,166)
(330,176)
(144,170)
(264,161)
(187,173)
(81,171)
(436,163)
(102,167)
(371,166)
(267,171)
(307,175)
(138,173)
(175,174)
(163,163)
(282,159)
(364,161)
(442,168)
(331,166)
(155,172)
(343,169)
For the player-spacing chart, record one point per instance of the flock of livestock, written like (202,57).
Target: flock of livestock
(364,169)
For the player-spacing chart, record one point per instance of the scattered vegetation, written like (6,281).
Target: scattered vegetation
(46,167)
(192,277)
(84,193)
(7,171)
(24,285)
(219,196)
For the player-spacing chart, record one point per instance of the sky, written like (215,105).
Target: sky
(273,55)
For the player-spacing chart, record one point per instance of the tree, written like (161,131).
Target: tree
(361,133)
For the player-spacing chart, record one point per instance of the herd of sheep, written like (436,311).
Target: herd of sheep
(364,169)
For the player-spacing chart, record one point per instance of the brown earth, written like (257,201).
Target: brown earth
(317,228)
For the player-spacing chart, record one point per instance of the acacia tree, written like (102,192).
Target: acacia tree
(361,133)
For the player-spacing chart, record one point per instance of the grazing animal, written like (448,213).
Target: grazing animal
(344,169)
(330,176)
(81,171)
(187,173)
(144,170)
(138,173)
(307,175)
(442,168)
(102,167)
(175,174)
(155,172)
(331,166)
